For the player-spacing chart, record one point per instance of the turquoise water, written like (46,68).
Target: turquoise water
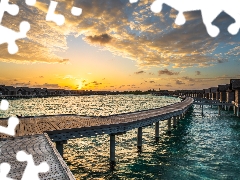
(201,147)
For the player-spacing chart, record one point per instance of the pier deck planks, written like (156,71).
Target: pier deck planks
(41,149)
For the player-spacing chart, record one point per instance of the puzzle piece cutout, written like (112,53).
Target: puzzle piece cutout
(51,16)
(31,171)
(58,18)
(4,170)
(12,9)
(4,105)
(30,2)
(210,10)
(76,11)
(10,130)
(12,121)
(7,35)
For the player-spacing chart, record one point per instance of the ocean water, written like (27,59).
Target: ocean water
(201,147)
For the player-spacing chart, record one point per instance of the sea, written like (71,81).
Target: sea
(201,147)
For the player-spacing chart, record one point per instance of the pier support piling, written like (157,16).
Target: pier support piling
(169,126)
(112,151)
(219,110)
(174,122)
(181,116)
(157,131)
(202,110)
(59,146)
(237,111)
(139,139)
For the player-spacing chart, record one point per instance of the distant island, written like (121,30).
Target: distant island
(219,92)
(20,92)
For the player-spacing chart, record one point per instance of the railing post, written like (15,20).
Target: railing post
(139,139)
(112,151)
(169,125)
(157,131)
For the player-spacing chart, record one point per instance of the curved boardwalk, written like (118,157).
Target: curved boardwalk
(34,135)
(60,125)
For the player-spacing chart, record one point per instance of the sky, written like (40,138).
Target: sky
(115,45)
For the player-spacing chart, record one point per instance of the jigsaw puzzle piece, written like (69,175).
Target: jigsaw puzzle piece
(31,171)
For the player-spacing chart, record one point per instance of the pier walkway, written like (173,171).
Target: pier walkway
(36,134)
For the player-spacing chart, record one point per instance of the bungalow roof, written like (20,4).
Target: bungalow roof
(234,84)
(223,88)
(213,89)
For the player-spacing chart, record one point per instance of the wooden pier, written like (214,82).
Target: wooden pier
(42,131)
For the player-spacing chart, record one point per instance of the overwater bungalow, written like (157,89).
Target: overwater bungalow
(10,91)
(200,93)
(235,86)
(206,93)
(213,92)
(40,92)
(25,91)
(161,93)
(222,89)
(2,90)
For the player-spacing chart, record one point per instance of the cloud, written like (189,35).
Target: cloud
(49,86)
(99,39)
(167,72)
(128,30)
(179,82)
(95,83)
(22,84)
(198,73)
(139,72)
(151,81)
